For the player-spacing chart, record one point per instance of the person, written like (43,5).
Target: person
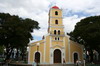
(78,63)
(34,63)
(63,60)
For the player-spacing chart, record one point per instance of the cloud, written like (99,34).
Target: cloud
(70,22)
(40,33)
(73,11)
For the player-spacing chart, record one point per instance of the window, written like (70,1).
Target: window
(37,57)
(55,38)
(58,32)
(56,12)
(55,32)
(56,21)
(58,38)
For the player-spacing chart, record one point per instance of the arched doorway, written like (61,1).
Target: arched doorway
(57,56)
(37,57)
(75,57)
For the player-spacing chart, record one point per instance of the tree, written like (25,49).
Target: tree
(1,50)
(15,32)
(87,32)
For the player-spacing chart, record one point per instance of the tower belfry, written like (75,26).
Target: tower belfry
(55,27)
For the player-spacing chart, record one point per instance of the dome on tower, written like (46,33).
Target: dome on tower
(55,7)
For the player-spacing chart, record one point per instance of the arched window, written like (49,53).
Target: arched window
(55,38)
(75,57)
(56,12)
(37,57)
(58,32)
(56,21)
(58,38)
(55,32)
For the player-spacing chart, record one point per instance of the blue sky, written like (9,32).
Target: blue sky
(73,11)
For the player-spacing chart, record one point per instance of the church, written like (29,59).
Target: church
(55,47)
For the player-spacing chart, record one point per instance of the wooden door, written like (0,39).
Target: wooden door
(57,56)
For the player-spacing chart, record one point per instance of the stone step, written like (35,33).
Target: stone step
(58,65)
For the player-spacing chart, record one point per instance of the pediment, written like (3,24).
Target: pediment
(57,46)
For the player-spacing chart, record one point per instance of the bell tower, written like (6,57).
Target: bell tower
(57,35)
(55,27)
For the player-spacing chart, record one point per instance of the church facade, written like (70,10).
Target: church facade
(56,47)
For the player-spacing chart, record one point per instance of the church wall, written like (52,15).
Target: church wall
(32,50)
(53,12)
(76,48)
(47,56)
(56,39)
(41,51)
(54,28)
(66,50)
(59,21)
(60,43)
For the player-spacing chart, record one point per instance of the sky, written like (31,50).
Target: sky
(73,12)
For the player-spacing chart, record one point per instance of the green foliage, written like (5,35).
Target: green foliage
(87,32)
(15,32)
(1,50)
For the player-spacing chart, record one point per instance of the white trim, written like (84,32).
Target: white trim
(50,19)
(63,54)
(64,48)
(73,56)
(50,41)
(51,55)
(55,17)
(29,56)
(40,56)
(50,58)
(57,46)
(57,26)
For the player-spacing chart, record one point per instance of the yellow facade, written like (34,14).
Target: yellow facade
(56,46)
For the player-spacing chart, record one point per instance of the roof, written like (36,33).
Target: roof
(55,7)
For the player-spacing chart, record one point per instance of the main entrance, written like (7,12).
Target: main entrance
(57,56)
